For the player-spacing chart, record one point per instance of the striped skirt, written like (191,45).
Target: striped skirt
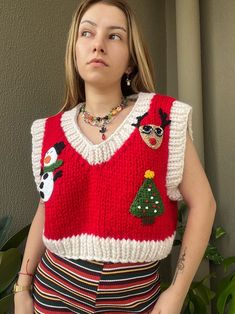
(63,285)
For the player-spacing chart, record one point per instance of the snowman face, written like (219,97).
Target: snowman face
(50,157)
(152,135)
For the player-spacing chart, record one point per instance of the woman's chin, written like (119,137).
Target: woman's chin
(101,82)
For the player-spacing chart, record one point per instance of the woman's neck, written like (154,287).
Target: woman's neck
(100,102)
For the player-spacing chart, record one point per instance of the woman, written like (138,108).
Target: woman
(110,168)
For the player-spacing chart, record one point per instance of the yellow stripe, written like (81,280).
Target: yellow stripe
(128,270)
(65,287)
(45,296)
(132,269)
(71,274)
(127,306)
(48,297)
(124,289)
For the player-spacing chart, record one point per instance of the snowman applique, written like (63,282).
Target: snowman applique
(50,164)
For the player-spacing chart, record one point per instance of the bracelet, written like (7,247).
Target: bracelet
(26,274)
(19,288)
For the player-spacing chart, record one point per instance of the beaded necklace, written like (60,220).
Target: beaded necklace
(101,122)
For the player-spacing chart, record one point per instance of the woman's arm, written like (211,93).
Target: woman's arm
(33,251)
(197,194)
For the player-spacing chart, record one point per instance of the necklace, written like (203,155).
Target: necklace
(101,122)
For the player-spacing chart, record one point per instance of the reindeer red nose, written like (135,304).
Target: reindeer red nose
(152,141)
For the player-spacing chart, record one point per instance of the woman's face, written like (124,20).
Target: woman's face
(102,52)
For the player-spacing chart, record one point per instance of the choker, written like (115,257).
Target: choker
(101,122)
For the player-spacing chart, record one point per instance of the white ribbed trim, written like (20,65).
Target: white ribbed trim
(181,120)
(90,247)
(37,131)
(98,153)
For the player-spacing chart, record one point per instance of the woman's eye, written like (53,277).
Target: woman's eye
(147,129)
(115,37)
(86,34)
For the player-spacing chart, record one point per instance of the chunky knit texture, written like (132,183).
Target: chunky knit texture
(87,213)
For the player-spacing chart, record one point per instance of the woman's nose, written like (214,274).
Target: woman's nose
(99,45)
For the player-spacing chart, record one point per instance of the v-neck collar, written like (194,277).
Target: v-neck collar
(102,152)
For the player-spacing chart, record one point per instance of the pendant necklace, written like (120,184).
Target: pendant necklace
(101,122)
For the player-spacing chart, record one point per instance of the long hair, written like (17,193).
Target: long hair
(140,62)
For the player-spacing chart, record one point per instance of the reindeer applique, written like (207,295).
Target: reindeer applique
(152,134)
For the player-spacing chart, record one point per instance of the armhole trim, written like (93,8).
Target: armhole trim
(181,121)
(37,131)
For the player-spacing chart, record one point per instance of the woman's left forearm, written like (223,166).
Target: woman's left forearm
(195,240)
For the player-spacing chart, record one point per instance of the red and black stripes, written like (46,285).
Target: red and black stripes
(77,286)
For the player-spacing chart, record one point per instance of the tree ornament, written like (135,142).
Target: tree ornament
(147,203)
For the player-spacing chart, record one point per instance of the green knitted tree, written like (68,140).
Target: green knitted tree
(147,203)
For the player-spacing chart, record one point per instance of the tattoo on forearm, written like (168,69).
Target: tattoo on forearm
(180,265)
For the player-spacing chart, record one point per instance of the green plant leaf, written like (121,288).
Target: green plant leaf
(226,299)
(16,239)
(223,284)
(5,303)
(228,262)
(198,297)
(232,308)
(191,307)
(219,232)
(205,293)
(188,308)
(213,255)
(199,305)
(202,281)
(4,228)
(10,261)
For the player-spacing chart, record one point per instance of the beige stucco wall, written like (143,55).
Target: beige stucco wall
(217,129)
(33,36)
(218,66)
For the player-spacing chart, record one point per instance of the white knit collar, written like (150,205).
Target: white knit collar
(102,152)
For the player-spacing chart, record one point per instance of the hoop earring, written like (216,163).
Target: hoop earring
(128,80)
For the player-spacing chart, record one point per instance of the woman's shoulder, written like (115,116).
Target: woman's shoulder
(170,99)
(167,102)
(38,124)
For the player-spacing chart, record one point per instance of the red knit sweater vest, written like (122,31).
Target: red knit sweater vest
(113,207)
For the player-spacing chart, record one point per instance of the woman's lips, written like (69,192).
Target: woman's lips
(98,62)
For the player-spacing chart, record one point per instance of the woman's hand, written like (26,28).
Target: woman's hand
(23,303)
(169,302)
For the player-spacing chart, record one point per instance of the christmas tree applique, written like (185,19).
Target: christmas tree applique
(147,203)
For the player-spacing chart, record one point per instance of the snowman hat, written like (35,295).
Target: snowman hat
(58,147)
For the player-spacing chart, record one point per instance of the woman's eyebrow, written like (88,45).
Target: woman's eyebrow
(109,27)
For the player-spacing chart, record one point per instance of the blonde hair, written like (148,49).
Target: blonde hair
(140,62)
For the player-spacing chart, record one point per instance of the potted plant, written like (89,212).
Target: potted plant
(199,296)
(225,294)
(10,261)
